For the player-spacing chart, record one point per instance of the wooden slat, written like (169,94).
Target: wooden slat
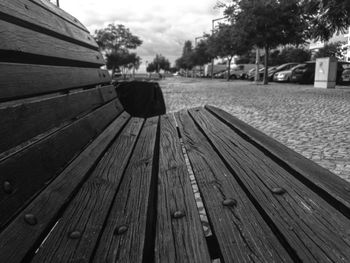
(88,210)
(131,205)
(59,12)
(332,186)
(47,205)
(32,15)
(241,232)
(20,80)
(20,39)
(176,238)
(22,121)
(29,170)
(313,228)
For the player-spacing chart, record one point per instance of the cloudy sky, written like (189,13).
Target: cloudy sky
(163,25)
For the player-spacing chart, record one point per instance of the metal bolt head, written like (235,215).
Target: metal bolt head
(229,202)
(278,191)
(8,189)
(178,214)
(30,219)
(74,234)
(121,230)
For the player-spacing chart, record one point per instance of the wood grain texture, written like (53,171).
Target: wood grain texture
(23,121)
(21,80)
(32,15)
(177,239)
(31,169)
(332,186)
(47,205)
(88,210)
(313,229)
(131,204)
(20,39)
(59,12)
(241,232)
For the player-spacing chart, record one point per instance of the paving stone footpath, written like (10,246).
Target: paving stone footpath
(313,122)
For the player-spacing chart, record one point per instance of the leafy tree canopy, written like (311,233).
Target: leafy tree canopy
(115,42)
(158,63)
(186,60)
(326,17)
(331,50)
(201,54)
(116,37)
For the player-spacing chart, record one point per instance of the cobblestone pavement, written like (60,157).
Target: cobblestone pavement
(313,122)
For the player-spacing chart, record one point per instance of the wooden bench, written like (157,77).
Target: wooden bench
(83,181)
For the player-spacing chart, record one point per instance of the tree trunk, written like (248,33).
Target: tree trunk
(113,71)
(229,68)
(257,65)
(266,77)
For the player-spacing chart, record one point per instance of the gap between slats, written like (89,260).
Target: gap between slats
(211,242)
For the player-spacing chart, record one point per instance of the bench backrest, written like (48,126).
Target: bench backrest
(54,98)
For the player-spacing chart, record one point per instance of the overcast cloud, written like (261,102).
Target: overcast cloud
(163,25)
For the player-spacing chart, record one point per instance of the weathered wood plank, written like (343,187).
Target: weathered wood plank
(59,12)
(20,80)
(330,186)
(240,230)
(22,121)
(46,206)
(124,237)
(31,169)
(20,39)
(313,229)
(88,210)
(177,239)
(29,14)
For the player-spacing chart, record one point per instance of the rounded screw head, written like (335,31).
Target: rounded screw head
(8,189)
(121,230)
(178,214)
(30,219)
(75,234)
(229,202)
(278,191)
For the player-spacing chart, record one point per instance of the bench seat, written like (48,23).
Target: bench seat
(128,197)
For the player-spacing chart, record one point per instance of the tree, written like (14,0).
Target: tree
(331,50)
(158,63)
(201,54)
(123,60)
(326,17)
(115,41)
(228,41)
(186,61)
(269,24)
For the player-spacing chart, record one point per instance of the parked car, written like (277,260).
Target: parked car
(251,73)
(343,72)
(305,73)
(285,76)
(240,71)
(280,68)
(345,77)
